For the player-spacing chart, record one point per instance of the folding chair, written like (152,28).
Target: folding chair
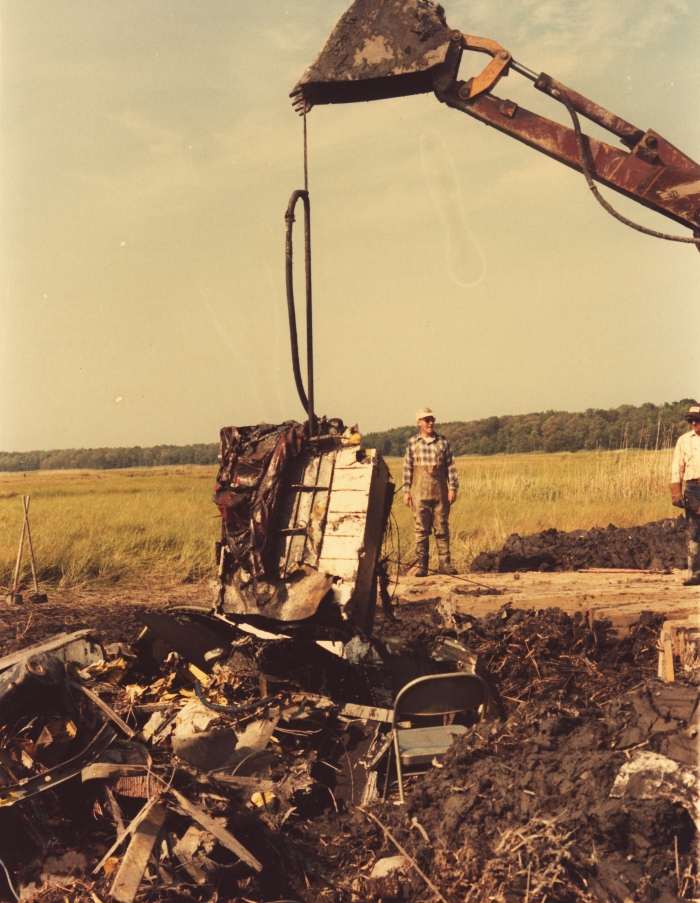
(435,694)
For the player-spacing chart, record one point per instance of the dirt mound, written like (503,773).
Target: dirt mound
(524,810)
(519,809)
(659,545)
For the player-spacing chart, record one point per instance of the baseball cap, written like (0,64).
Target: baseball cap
(693,412)
(423,413)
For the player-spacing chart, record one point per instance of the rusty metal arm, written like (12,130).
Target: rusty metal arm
(655,173)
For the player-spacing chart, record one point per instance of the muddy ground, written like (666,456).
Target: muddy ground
(519,810)
(659,545)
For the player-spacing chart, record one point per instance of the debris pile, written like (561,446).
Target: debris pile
(217,760)
(659,545)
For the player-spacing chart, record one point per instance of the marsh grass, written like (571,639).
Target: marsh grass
(106,526)
(504,494)
(92,527)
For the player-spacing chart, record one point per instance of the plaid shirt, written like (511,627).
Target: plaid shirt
(431,452)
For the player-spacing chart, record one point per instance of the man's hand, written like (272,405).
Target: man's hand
(452,496)
(407,500)
(677,495)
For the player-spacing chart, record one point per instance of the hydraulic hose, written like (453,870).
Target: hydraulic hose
(307,401)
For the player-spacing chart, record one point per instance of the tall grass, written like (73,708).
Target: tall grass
(107,526)
(504,494)
(97,527)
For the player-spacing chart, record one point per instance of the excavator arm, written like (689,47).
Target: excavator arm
(393,48)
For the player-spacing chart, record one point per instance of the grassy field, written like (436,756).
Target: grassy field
(504,494)
(160,523)
(110,525)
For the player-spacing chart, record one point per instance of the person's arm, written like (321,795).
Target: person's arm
(452,481)
(677,471)
(407,473)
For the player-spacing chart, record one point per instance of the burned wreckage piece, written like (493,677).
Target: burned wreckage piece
(303,521)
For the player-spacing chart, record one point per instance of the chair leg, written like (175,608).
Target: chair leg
(399,771)
(387,778)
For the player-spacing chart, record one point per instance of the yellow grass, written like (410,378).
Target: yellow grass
(111,525)
(504,494)
(121,525)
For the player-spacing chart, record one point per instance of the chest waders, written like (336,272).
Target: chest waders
(431,511)
(691,497)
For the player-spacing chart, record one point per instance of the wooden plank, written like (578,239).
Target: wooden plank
(665,670)
(222,835)
(130,828)
(367,712)
(251,784)
(108,710)
(128,878)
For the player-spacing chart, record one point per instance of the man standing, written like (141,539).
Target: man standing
(686,466)
(430,486)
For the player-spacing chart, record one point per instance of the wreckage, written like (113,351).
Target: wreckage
(303,518)
(207,757)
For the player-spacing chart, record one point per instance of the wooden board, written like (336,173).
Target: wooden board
(222,835)
(617,598)
(128,878)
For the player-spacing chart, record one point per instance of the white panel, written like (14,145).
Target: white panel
(345,524)
(358,477)
(341,547)
(346,500)
(345,568)
(347,456)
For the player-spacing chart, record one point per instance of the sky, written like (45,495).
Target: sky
(148,149)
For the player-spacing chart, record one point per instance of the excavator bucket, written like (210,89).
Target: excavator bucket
(381,48)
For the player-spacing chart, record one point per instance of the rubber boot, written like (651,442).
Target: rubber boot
(422,549)
(693,564)
(445,565)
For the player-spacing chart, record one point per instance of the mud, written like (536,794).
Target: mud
(660,545)
(519,809)
(526,808)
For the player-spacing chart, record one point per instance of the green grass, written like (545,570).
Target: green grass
(96,527)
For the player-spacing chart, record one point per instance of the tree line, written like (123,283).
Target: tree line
(109,458)
(646,426)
